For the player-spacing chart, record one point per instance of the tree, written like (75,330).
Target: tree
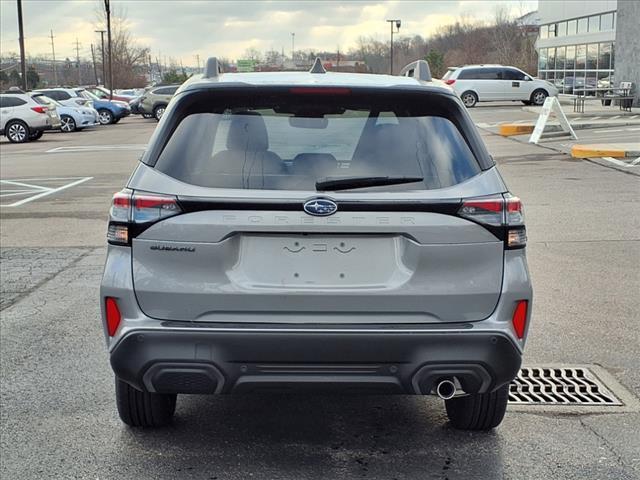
(33,79)
(173,77)
(14,78)
(129,61)
(4,80)
(436,63)
(252,54)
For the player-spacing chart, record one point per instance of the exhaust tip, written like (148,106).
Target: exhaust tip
(446,389)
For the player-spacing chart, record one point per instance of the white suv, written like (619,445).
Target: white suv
(70,97)
(23,119)
(486,83)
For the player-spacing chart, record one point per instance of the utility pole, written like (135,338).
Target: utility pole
(107,8)
(53,55)
(397,24)
(93,57)
(293,42)
(338,61)
(198,62)
(23,63)
(104,75)
(78,61)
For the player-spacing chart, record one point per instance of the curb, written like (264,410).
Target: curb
(511,129)
(596,151)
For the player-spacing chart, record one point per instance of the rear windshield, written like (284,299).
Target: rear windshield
(292,142)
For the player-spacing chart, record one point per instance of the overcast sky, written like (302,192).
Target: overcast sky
(181,29)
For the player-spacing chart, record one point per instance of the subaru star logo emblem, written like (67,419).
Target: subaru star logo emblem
(320,207)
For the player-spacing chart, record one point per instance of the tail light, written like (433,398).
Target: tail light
(450,81)
(502,214)
(39,109)
(519,319)
(113,315)
(132,213)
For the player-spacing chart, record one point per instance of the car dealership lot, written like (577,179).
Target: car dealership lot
(58,414)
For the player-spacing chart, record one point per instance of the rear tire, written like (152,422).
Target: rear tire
(469,99)
(143,409)
(17,131)
(482,411)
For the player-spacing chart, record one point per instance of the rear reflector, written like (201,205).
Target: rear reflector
(320,91)
(519,319)
(113,315)
(39,109)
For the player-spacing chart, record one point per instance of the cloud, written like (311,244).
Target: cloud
(227,28)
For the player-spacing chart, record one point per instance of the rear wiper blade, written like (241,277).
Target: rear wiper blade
(346,183)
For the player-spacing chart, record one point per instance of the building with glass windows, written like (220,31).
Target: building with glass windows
(583,45)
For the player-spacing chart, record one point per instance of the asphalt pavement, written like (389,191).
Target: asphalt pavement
(57,408)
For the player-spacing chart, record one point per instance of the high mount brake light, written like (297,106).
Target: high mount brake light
(499,213)
(320,91)
(131,213)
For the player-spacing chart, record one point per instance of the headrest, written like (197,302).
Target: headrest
(247,132)
(315,162)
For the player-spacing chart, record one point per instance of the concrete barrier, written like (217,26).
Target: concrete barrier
(595,150)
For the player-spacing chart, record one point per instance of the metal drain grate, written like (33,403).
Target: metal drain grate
(558,386)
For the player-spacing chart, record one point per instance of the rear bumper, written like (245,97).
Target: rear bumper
(241,360)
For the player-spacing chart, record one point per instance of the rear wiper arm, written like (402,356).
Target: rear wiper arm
(346,183)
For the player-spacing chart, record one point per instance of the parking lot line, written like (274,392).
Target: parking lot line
(21,184)
(95,148)
(620,163)
(44,191)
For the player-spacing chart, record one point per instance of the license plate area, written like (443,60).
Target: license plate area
(320,262)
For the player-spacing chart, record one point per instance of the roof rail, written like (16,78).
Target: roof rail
(419,70)
(317,66)
(213,68)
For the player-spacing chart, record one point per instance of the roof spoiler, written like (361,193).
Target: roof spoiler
(419,70)
(213,68)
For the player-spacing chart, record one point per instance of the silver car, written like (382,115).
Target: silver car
(316,232)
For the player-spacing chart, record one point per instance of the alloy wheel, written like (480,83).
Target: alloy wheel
(469,100)
(68,125)
(159,112)
(105,117)
(539,98)
(17,133)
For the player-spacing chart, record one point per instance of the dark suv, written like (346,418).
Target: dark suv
(316,232)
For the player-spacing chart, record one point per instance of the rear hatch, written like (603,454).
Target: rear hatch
(309,208)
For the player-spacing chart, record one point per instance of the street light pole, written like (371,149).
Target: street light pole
(23,63)
(397,24)
(107,8)
(293,38)
(104,74)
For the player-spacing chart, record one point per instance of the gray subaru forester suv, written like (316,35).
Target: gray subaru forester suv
(311,232)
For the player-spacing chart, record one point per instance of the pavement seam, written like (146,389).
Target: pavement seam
(604,441)
(46,279)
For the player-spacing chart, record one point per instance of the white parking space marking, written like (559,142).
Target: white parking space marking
(621,163)
(96,148)
(609,130)
(35,191)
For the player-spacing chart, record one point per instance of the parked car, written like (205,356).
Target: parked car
(155,101)
(70,97)
(109,111)
(22,119)
(71,118)
(104,94)
(344,232)
(487,83)
(132,93)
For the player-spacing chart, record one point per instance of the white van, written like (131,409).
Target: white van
(487,83)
